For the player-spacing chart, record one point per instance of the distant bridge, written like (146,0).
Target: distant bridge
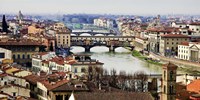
(111,42)
(93,32)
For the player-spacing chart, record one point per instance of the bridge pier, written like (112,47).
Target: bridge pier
(87,48)
(112,49)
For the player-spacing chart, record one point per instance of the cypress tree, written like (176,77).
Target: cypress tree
(4,24)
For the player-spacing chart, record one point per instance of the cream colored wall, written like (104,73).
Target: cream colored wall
(167,42)
(44,89)
(59,26)
(23,73)
(33,29)
(8,54)
(18,90)
(183,52)
(79,67)
(63,39)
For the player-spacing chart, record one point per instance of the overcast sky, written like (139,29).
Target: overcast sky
(101,6)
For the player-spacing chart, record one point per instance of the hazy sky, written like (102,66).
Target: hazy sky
(101,6)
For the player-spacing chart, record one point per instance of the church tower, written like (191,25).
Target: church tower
(169,82)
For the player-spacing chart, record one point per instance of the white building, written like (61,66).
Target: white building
(183,51)
(103,22)
(189,51)
(37,59)
(195,27)
(5,54)
(77,64)
(59,26)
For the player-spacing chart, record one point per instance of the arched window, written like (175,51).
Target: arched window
(171,75)
(164,89)
(171,89)
(14,56)
(23,56)
(164,75)
(75,70)
(18,56)
(83,70)
(28,56)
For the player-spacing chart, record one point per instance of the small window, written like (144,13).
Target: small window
(83,70)
(14,94)
(75,70)
(23,56)
(164,89)
(28,56)
(14,56)
(18,56)
(171,75)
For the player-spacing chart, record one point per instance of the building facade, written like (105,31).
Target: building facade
(183,51)
(5,54)
(169,43)
(169,82)
(63,38)
(22,49)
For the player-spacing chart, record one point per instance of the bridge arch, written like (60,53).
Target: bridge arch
(85,34)
(77,49)
(72,34)
(99,49)
(99,34)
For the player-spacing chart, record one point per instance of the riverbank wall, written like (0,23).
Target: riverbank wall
(176,61)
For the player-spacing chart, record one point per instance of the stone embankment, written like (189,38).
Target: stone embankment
(174,60)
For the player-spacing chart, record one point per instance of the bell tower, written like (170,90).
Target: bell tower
(169,82)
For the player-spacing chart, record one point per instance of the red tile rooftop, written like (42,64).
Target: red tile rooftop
(42,53)
(174,36)
(194,86)
(195,23)
(185,43)
(51,86)
(33,79)
(21,42)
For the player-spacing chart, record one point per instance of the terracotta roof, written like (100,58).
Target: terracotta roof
(185,43)
(3,75)
(170,65)
(194,86)
(17,71)
(20,42)
(42,53)
(181,92)
(45,61)
(195,23)
(113,96)
(70,88)
(50,86)
(34,78)
(174,36)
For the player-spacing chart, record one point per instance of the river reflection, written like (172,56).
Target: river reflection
(121,59)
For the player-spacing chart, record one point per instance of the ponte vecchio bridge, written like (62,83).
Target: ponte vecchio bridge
(111,42)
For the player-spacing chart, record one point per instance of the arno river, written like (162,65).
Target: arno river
(121,59)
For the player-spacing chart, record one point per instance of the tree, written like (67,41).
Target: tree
(4,24)
(90,73)
(113,75)
(141,78)
(122,78)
